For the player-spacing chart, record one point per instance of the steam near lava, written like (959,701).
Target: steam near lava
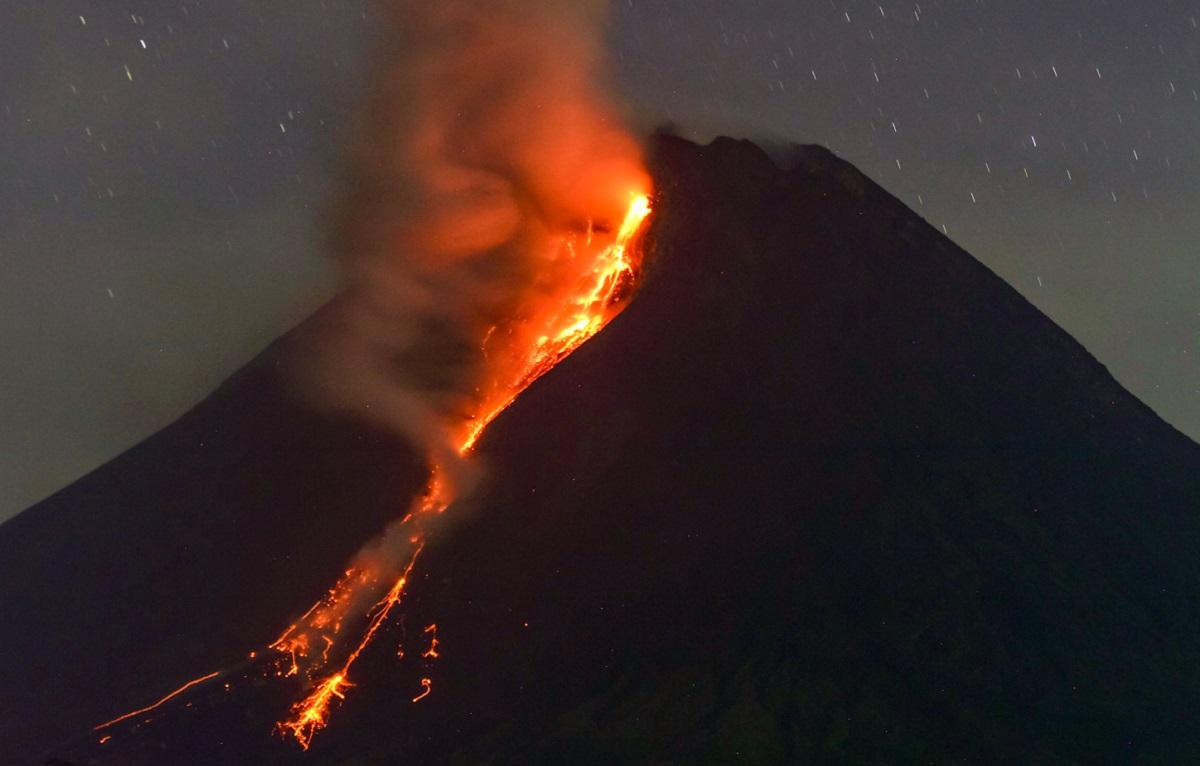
(486,232)
(488,227)
(487,146)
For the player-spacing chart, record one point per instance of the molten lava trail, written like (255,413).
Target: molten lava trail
(304,648)
(585,314)
(164,700)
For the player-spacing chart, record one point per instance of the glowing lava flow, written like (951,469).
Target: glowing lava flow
(582,316)
(311,714)
(161,702)
(595,301)
(541,343)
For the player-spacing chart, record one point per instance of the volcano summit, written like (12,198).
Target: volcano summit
(827,491)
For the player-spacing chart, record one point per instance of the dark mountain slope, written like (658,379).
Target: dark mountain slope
(837,478)
(183,554)
(827,491)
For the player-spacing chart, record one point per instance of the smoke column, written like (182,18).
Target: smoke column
(485,140)
(490,199)
(485,229)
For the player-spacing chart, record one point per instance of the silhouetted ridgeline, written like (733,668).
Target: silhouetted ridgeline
(827,491)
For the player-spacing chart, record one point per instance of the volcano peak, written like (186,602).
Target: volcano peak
(828,490)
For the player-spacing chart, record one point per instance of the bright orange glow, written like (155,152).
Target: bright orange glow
(559,330)
(428,684)
(148,708)
(565,326)
(431,653)
(538,339)
(311,714)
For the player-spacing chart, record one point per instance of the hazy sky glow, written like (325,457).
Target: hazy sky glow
(164,169)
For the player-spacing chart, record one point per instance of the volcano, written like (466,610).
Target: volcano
(827,491)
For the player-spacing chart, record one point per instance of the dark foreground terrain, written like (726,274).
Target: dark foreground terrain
(828,491)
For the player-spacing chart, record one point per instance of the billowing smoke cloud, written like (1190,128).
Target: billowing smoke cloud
(486,139)
(489,174)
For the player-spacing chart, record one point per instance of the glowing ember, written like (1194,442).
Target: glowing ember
(432,652)
(428,687)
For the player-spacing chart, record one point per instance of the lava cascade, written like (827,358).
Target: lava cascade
(487,227)
(325,642)
(560,329)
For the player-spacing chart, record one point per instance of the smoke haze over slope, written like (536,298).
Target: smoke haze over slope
(487,138)
(179,155)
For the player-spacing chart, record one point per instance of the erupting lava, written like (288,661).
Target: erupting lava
(473,267)
(557,331)
(606,265)
(566,324)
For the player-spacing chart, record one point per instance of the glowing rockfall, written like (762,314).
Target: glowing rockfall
(581,315)
(564,326)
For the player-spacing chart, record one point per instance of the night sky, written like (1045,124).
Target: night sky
(165,167)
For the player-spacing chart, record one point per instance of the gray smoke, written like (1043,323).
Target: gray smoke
(485,136)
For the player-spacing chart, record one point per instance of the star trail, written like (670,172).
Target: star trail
(166,168)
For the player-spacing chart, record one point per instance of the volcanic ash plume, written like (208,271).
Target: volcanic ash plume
(488,152)
(488,229)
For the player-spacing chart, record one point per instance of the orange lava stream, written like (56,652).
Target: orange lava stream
(584,315)
(311,714)
(165,699)
(597,300)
